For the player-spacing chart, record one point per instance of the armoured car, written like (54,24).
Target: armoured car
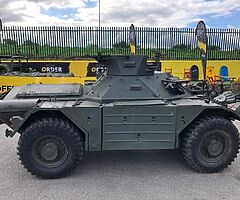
(131,106)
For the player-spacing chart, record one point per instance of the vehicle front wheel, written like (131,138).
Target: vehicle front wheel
(50,148)
(211,144)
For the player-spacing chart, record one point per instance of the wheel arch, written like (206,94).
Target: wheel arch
(55,114)
(218,112)
(225,113)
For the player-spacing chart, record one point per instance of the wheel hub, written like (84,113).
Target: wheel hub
(49,151)
(215,148)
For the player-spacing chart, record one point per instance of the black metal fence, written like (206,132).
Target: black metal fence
(69,42)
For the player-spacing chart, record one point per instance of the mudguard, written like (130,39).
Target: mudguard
(87,118)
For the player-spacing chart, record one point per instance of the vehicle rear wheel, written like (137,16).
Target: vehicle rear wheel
(50,148)
(211,144)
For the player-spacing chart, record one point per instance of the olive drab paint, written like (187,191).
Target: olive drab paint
(132,106)
(138,108)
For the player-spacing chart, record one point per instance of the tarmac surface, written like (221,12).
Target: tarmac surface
(160,174)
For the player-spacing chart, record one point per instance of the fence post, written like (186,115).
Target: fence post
(56,42)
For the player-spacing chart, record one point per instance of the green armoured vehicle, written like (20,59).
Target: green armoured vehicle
(131,106)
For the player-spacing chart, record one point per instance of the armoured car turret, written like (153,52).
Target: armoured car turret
(131,106)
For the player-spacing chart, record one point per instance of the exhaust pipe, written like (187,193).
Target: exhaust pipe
(17,105)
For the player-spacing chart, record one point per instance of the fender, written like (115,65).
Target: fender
(187,117)
(19,123)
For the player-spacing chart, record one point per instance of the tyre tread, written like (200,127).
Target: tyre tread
(35,128)
(193,132)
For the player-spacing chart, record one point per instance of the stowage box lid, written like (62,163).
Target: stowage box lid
(56,90)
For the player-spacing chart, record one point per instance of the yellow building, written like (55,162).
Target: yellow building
(182,68)
(81,71)
(50,72)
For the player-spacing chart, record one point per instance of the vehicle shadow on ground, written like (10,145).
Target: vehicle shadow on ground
(126,162)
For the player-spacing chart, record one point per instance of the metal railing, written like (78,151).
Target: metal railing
(70,42)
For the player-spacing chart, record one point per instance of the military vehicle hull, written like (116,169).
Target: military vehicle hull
(122,125)
(150,110)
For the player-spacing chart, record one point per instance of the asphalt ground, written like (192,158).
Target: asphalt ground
(160,174)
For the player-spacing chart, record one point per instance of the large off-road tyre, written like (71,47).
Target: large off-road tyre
(50,148)
(210,144)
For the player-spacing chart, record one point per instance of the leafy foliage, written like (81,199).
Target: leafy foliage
(181,46)
(121,45)
(9,42)
(30,43)
(213,48)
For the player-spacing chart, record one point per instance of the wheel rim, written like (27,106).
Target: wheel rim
(50,151)
(214,146)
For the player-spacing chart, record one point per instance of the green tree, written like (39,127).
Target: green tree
(213,48)
(30,43)
(90,46)
(120,45)
(9,41)
(91,49)
(181,46)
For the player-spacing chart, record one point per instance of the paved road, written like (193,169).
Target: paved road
(118,175)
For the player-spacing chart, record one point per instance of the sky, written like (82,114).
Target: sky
(145,13)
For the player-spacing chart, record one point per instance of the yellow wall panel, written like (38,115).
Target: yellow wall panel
(79,69)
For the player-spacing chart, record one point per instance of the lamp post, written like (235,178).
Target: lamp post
(1,25)
(99,13)
(1,28)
